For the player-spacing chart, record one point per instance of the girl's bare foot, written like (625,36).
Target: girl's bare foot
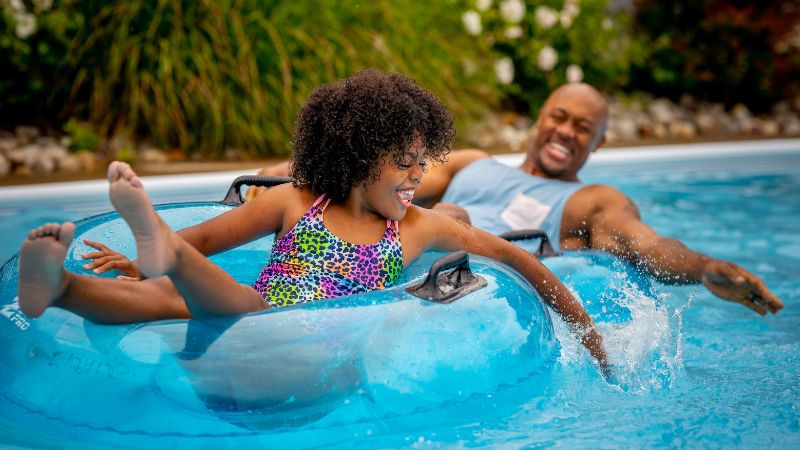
(42,278)
(155,253)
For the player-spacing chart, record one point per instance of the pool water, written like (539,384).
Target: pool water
(694,371)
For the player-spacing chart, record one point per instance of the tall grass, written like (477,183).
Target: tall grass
(207,75)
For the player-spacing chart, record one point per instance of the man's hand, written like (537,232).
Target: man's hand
(731,282)
(106,259)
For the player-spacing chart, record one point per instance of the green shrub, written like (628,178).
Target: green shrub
(34,38)
(81,136)
(207,75)
(541,45)
(720,50)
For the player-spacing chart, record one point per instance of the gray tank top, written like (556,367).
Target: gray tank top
(500,198)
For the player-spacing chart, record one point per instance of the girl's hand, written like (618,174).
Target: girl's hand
(106,259)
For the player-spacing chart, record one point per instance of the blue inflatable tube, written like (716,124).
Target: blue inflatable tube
(312,373)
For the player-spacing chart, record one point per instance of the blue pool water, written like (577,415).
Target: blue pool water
(695,371)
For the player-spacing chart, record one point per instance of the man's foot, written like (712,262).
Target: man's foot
(42,278)
(155,253)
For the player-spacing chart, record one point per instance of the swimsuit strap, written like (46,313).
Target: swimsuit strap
(319,200)
(392,224)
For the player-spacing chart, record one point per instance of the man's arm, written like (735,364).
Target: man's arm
(614,225)
(437,178)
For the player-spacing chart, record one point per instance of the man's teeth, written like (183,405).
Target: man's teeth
(560,148)
(406,194)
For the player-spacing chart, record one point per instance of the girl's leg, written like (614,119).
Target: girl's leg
(43,282)
(207,289)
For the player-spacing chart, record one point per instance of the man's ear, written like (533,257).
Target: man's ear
(600,143)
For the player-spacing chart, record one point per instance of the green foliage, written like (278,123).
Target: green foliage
(81,136)
(720,50)
(34,37)
(207,75)
(545,40)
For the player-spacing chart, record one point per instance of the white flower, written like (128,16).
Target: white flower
(43,5)
(574,73)
(504,70)
(546,17)
(472,22)
(548,58)
(607,24)
(514,32)
(26,25)
(512,10)
(571,9)
(566,20)
(483,5)
(16,6)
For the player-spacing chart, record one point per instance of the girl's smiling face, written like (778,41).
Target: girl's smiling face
(392,193)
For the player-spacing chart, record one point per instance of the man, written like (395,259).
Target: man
(544,192)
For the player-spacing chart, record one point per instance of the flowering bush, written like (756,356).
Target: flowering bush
(34,37)
(720,50)
(542,44)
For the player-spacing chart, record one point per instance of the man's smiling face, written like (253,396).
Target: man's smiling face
(570,126)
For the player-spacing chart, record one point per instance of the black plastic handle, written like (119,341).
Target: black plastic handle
(234,195)
(545,249)
(442,287)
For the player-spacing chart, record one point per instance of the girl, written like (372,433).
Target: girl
(347,225)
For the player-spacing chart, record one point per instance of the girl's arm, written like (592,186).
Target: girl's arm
(228,230)
(248,222)
(441,232)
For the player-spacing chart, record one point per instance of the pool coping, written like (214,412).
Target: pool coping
(619,155)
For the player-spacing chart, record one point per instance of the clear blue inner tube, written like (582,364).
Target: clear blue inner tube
(383,361)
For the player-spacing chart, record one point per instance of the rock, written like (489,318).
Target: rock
(626,128)
(660,131)
(88,161)
(46,141)
(152,155)
(790,124)
(741,113)
(707,123)
(683,129)
(512,138)
(65,141)
(730,126)
(43,164)
(748,125)
(769,127)
(661,110)
(645,130)
(26,135)
(5,166)
(782,107)
(24,156)
(70,164)
(6,145)
(54,152)
(23,171)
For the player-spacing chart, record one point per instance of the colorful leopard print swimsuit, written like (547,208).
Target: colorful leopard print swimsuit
(310,263)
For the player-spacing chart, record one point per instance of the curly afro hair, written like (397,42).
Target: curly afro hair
(347,128)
